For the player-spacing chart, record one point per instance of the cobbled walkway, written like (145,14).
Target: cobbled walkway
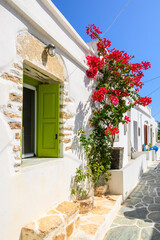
(139,216)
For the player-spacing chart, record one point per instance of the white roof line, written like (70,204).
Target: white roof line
(59,16)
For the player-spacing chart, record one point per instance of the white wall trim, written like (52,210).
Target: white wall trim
(19,7)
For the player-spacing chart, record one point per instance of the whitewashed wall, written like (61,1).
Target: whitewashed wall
(37,187)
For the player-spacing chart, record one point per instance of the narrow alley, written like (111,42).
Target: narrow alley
(139,216)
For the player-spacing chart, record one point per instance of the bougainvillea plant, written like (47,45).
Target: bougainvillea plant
(118,81)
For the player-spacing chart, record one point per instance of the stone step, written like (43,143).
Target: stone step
(95,224)
(57,224)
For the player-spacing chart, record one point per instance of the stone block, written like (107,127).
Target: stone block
(28,233)
(100,210)
(16,65)
(97,219)
(48,223)
(59,237)
(15,125)
(66,115)
(90,229)
(67,100)
(68,208)
(67,148)
(69,229)
(16,148)
(12,78)
(17,135)
(15,97)
(67,140)
(12,115)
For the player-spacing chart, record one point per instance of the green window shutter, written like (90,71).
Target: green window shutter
(48,120)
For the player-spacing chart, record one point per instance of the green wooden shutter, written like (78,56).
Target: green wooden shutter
(48,120)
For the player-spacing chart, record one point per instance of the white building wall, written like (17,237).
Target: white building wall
(37,187)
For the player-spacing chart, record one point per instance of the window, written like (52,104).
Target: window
(40,131)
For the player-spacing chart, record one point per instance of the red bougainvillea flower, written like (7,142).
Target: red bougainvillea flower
(146,65)
(113,99)
(116,92)
(92,31)
(144,101)
(111,130)
(99,95)
(94,61)
(127,120)
(119,56)
(103,44)
(92,72)
(125,93)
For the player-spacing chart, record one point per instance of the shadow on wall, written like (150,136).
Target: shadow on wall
(83,114)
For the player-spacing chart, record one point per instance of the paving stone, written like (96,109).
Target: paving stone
(123,233)
(59,237)
(124,221)
(154,207)
(125,209)
(67,208)
(139,213)
(97,219)
(153,192)
(155,217)
(114,225)
(150,234)
(69,229)
(148,200)
(136,194)
(139,205)
(141,188)
(100,210)
(157,199)
(132,201)
(90,229)
(157,226)
(144,223)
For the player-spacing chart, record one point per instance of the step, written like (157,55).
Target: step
(64,222)
(56,224)
(95,224)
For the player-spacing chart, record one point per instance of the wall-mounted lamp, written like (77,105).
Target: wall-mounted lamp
(50,49)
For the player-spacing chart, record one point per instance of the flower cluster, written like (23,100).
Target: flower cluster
(126,119)
(119,56)
(144,101)
(94,61)
(92,72)
(111,130)
(92,31)
(113,99)
(99,95)
(103,44)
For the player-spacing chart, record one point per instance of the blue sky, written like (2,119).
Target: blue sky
(136,31)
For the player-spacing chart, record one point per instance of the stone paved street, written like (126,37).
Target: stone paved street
(139,216)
